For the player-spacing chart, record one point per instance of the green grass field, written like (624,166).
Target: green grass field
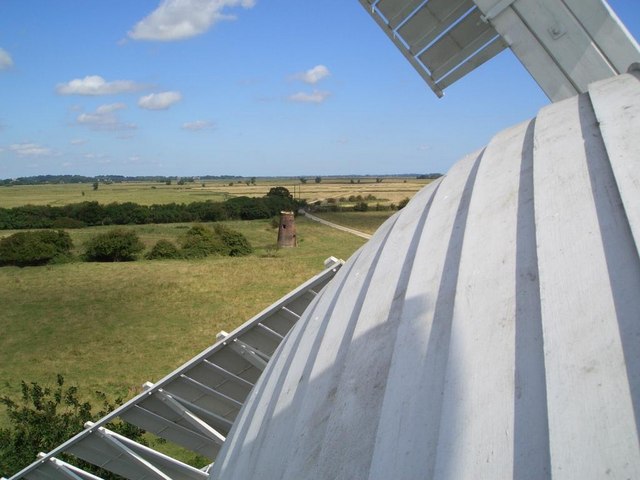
(367,222)
(390,190)
(113,326)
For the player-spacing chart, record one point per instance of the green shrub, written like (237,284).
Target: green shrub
(34,248)
(236,243)
(116,245)
(163,249)
(45,416)
(403,203)
(200,241)
(361,207)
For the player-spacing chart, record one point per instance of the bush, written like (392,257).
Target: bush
(116,245)
(361,207)
(163,249)
(34,248)
(200,241)
(236,243)
(403,203)
(44,417)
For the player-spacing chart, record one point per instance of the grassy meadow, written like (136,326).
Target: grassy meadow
(113,326)
(390,190)
(367,222)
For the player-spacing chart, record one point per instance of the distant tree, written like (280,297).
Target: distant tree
(361,207)
(95,186)
(279,192)
(351,181)
(318,179)
(253,180)
(379,180)
(167,182)
(118,245)
(303,180)
(181,181)
(44,417)
(248,182)
(403,203)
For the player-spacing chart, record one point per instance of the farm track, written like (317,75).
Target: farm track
(335,225)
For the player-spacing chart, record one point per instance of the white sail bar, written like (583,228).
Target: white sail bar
(564,44)
(442,39)
(194,406)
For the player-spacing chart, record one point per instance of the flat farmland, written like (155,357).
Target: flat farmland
(389,190)
(113,326)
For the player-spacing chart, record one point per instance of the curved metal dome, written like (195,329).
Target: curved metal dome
(490,330)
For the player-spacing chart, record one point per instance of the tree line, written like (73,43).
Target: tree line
(92,213)
(63,179)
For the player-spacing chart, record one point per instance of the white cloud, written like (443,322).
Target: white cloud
(315,97)
(198,125)
(105,118)
(78,141)
(110,108)
(159,101)
(96,85)
(180,19)
(313,75)
(5,60)
(30,150)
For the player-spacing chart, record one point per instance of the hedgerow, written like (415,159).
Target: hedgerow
(93,213)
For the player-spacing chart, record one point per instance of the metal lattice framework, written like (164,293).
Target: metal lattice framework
(564,44)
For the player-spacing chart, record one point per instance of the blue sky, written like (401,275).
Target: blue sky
(246,87)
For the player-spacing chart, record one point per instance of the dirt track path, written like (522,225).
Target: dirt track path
(335,225)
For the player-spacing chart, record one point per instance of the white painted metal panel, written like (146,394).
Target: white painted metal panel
(422,341)
(565,45)
(481,376)
(433,18)
(458,44)
(616,103)
(396,11)
(580,226)
(488,330)
(439,38)
(603,26)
